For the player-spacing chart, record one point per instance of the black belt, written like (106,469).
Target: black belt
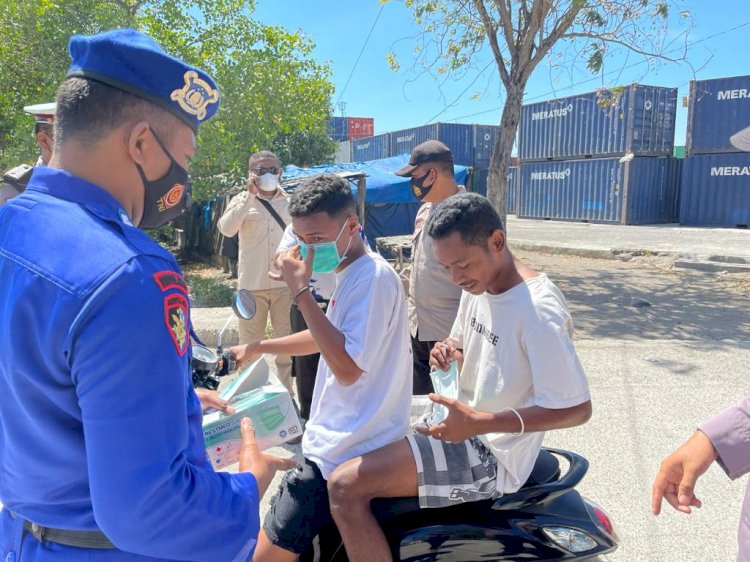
(80,539)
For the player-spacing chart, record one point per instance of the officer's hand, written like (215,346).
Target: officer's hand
(245,353)
(211,399)
(444,353)
(262,466)
(462,421)
(253,183)
(679,472)
(294,271)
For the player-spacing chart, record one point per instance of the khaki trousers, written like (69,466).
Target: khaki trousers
(277,302)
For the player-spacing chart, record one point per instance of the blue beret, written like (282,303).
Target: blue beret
(131,61)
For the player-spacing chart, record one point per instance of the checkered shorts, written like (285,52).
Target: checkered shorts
(451,473)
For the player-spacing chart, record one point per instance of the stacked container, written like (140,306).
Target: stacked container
(716,180)
(600,157)
(342,129)
(371,148)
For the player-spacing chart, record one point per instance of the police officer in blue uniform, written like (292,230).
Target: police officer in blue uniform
(101,449)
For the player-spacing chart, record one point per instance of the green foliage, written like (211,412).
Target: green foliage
(274,95)
(208,292)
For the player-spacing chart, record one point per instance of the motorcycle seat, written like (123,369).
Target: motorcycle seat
(546,469)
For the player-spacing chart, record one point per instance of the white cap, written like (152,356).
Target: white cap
(43,112)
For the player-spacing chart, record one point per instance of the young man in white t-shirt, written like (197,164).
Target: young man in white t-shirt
(519,377)
(362,394)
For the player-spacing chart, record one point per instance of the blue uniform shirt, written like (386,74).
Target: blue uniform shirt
(99,425)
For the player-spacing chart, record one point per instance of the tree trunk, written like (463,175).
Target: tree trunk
(497,181)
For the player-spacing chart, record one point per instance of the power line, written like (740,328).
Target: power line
(606,73)
(360,52)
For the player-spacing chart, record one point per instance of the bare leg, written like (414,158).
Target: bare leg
(389,472)
(266,551)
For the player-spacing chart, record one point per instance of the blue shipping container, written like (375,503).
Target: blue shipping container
(716,190)
(371,148)
(485,137)
(338,129)
(481,177)
(718,109)
(641,121)
(459,138)
(641,191)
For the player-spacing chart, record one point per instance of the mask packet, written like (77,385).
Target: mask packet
(445,384)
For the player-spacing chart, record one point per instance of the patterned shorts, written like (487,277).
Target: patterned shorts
(451,473)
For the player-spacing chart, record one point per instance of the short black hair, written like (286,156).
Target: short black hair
(444,168)
(469,214)
(326,193)
(264,154)
(46,128)
(88,110)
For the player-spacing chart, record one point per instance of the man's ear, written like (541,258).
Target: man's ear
(497,241)
(139,141)
(44,141)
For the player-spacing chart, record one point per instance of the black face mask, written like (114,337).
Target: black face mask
(167,198)
(418,189)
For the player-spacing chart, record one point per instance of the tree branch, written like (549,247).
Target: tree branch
(506,21)
(629,46)
(492,37)
(559,29)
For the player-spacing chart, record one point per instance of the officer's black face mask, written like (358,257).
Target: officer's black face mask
(167,198)
(418,188)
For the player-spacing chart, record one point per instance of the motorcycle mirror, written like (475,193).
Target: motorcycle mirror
(244,304)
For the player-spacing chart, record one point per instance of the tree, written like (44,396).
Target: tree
(272,90)
(521,34)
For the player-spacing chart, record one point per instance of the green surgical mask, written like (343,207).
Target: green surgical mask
(326,257)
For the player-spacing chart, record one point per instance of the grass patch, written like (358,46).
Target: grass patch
(208,292)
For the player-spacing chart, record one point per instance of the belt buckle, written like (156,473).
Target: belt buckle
(37,531)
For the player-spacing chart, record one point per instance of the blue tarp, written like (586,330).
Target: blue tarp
(390,208)
(383,186)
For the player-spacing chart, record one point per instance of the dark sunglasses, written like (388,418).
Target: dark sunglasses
(261,171)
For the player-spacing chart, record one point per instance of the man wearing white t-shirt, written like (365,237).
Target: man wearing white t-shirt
(519,377)
(363,385)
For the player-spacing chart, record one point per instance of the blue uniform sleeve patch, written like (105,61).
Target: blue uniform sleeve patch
(175,318)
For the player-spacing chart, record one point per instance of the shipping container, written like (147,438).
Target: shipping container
(338,129)
(635,118)
(459,138)
(485,137)
(716,190)
(480,178)
(717,109)
(343,153)
(642,190)
(361,127)
(371,148)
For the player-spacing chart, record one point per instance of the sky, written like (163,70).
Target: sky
(717,47)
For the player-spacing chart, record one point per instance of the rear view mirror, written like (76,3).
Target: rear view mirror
(244,304)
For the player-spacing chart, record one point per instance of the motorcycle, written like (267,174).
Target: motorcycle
(208,366)
(547,519)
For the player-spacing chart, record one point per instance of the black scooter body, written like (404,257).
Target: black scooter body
(509,528)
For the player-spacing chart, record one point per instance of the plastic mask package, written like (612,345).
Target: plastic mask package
(445,384)
(274,418)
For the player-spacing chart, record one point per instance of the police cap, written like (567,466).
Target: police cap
(131,61)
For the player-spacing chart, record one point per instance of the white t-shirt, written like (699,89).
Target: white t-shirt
(322,284)
(518,352)
(369,309)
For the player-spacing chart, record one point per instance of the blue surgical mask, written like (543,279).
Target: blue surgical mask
(326,257)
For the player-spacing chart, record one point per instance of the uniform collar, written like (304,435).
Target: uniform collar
(63,185)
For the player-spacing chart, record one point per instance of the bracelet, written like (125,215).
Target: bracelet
(302,290)
(519,419)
